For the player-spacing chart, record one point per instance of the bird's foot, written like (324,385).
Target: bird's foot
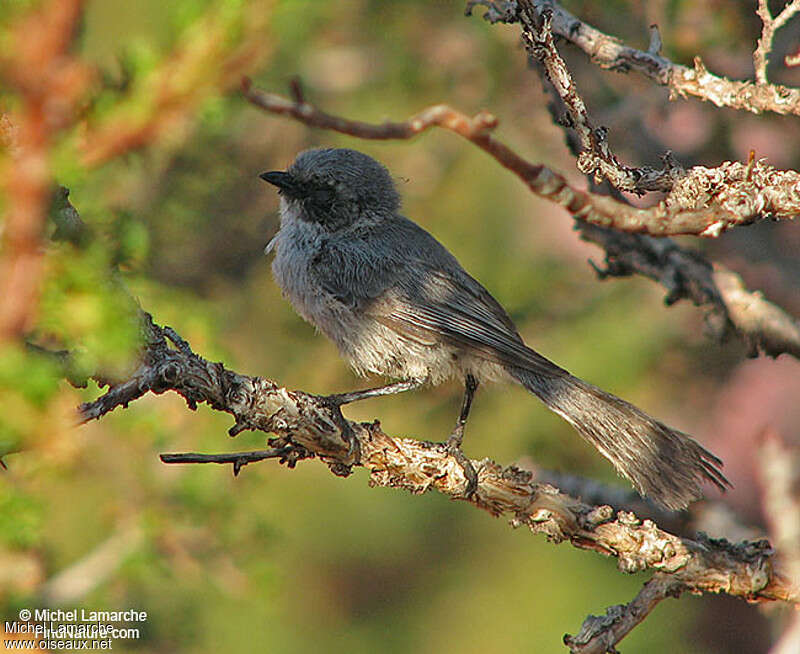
(453,447)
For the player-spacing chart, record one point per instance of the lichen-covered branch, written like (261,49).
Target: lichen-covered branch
(769,26)
(608,52)
(313,426)
(684,275)
(600,634)
(595,157)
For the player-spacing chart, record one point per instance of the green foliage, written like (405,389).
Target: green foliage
(83,306)
(28,382)
(21,520)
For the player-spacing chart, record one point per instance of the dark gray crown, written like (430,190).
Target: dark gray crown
(354,177)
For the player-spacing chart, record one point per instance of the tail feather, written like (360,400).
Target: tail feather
(663,464)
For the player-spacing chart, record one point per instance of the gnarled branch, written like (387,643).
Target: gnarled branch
(594,157)
(608,52)
(600,634)
(685,273)
(313,426)
(769,26)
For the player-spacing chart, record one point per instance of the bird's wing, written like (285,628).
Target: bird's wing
(458,310)
(422,293)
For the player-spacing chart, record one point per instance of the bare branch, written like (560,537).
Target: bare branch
(608,52)
(72,584)
(685,273)
(764,325)
(779,467)
(769,26)
(316,425)
(600,634)
(237,459)
(596,158)
(780,476)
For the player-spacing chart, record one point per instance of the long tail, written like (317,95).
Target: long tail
(662,463)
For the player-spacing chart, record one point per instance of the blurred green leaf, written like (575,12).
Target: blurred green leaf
(21,519)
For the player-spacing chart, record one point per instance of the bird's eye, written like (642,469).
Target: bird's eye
(321,196)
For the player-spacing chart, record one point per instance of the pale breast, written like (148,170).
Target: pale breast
(290,268)
(296,247)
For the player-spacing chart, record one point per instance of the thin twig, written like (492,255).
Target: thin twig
(595,158)
(610,53)
(768,28)
(237,459)
(600,634)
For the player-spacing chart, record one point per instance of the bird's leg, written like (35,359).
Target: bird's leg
(390,389)
(338,399)
(457,436)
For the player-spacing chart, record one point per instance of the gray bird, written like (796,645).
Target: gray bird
(398,304)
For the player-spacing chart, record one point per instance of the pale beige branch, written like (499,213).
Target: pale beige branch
(769,25)
(313,426)
(763,325)
(75,582)
(682,81)
(779,468)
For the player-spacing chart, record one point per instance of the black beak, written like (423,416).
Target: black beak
(282,180)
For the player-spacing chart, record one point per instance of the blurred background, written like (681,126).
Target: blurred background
(161,157)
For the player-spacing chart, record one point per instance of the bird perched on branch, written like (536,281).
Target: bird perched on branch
(398,304)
